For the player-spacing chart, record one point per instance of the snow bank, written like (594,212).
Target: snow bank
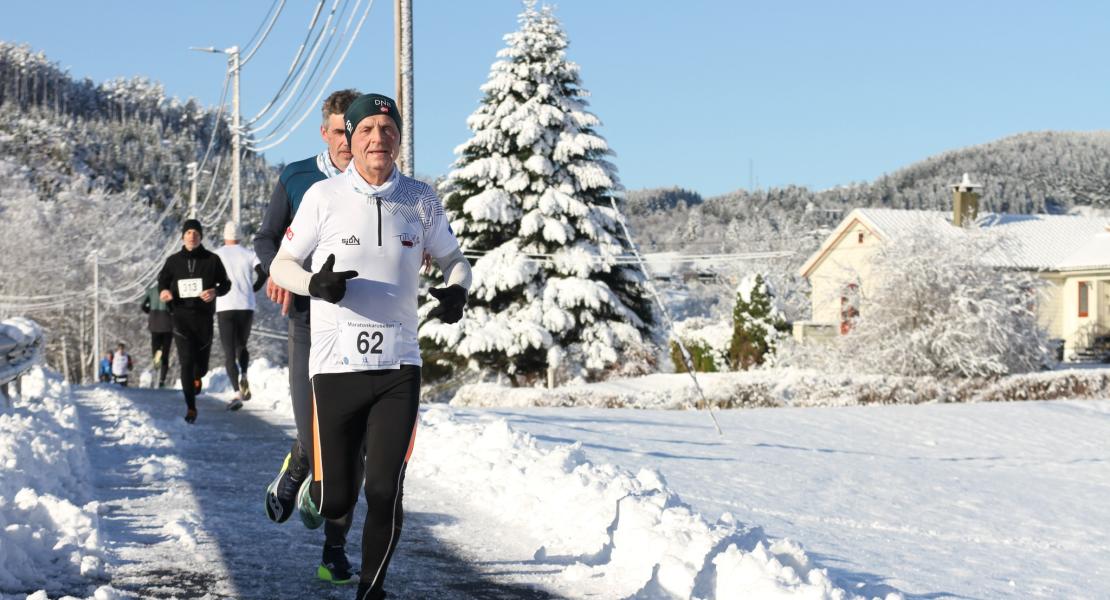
(627,535)
(791,387)
(49,531)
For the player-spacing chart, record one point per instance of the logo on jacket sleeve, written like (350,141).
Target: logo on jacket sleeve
(408,240)
(288,233)
(351,241)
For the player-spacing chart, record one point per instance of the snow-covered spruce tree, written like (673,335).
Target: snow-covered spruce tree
(757,324)
(937,310)
(529,196)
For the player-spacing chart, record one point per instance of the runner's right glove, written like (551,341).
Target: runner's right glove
(328,285)
(452,299)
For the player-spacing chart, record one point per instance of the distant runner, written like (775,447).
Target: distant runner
(189,282)
(374,224)
(160,324)
(235,310)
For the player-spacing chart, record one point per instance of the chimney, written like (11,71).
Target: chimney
(965,202)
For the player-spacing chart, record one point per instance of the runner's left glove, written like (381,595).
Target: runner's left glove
(329,285)
(452,299)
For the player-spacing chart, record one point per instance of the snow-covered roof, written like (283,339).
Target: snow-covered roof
(1036,242)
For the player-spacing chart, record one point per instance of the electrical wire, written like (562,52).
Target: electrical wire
(264,36)
(302,71)
(323,87)
(293,66)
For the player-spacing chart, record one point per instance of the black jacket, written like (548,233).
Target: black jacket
(187,264)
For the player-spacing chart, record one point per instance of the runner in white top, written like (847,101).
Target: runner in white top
(235,310)
(375,224)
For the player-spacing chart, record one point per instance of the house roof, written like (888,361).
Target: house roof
(1035,242)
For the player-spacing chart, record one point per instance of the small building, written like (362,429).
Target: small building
(1070,252)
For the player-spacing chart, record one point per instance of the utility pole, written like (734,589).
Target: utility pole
(233,61)
(233,68)
(402,45)
(192,167)
(96,311)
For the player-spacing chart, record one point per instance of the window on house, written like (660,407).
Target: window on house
(859,239)
(1084,302)
(849,308)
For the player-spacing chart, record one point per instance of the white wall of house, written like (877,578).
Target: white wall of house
(1078,331)
(847,260)
(1050,308)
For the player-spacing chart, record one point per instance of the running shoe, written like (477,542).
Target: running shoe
(245,388)
(310,515)
(191,416)
(335,568)
(281,494)
(236,404)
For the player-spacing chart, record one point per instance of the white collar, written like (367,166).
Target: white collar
(364,187)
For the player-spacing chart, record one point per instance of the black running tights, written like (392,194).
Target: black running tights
(381,408)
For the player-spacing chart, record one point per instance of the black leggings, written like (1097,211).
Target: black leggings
(162,340)
(192,332)
(381,408)
(235,328)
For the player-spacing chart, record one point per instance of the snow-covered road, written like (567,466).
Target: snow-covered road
(182,514)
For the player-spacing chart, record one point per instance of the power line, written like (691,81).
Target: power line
(264,36)
(324,87)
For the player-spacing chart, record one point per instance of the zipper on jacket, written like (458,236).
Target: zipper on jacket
(378,198)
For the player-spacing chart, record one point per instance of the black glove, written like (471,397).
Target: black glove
(328,285)
(452,299)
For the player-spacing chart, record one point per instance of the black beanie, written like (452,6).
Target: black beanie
(368,105)
(192,224)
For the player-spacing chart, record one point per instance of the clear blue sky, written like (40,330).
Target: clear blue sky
(815,93)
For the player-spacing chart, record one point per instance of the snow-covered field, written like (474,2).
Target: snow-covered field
(105,493)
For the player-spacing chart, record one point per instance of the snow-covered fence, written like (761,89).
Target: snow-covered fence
(21,347)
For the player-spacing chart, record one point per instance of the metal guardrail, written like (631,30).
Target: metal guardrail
(21,347)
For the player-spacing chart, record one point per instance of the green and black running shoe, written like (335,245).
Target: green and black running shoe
(245,388)
(335,568)
(310,514)
(281,494)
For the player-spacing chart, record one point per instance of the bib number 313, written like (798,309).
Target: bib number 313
(368,344)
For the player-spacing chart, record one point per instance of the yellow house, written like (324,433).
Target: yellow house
(1070,252)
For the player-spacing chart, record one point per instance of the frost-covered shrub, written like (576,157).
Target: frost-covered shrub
(757,324)
(706,340)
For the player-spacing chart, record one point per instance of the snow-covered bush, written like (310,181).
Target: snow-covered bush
(935,310)
(706,340)
(757,324)
(530,196)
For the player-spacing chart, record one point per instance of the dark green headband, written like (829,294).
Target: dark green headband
(368,105)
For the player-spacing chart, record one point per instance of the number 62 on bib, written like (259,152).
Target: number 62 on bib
(368,344)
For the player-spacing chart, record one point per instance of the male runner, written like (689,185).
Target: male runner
(365,360)
(235,310)
(189,282)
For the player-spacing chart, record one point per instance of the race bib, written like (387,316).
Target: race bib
(367,344)
(189,288)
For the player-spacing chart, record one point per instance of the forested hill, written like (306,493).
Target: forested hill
(1041,172)
(116,136)
(99,169)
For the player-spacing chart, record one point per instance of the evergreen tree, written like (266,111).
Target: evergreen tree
(757,324)
(530,198)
